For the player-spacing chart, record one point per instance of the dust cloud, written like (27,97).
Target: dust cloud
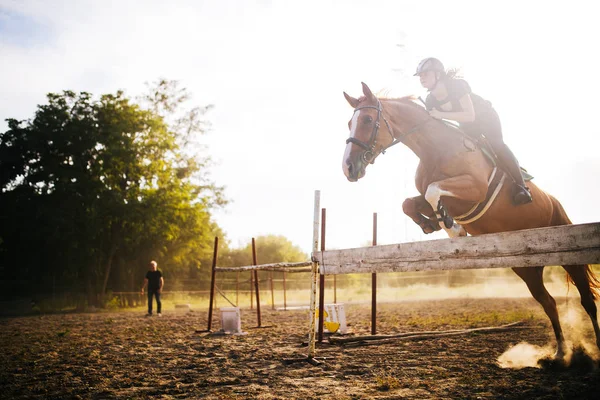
(581,353)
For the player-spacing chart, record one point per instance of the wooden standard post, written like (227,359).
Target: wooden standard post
(212,284)
(314,275)
(251,290)
(272,293)
(256,283)
(284,293)
(237,288)
(374,284)
(322,278)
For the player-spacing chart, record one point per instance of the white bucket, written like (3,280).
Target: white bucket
(231,321)
(334,319)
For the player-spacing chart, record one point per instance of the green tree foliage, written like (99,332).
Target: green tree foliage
(92,189)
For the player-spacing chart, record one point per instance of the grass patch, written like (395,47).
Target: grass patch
(386,382)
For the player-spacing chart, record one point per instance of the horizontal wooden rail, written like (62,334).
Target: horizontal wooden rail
(557,245)
(279,267)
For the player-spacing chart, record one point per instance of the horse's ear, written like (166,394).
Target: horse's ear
(351,100)
(367,92)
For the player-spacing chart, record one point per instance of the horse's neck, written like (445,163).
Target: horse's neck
(428,140)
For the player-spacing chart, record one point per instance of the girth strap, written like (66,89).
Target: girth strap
(495,183)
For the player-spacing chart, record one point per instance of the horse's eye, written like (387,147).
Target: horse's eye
(368,119)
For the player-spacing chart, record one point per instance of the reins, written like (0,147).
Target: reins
(370,151)
(369,154)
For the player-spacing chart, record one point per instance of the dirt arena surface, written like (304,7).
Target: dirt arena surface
(128,356)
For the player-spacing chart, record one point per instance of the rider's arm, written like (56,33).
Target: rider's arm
(466,115)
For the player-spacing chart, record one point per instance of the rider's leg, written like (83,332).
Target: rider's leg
(506,158)
(509,163)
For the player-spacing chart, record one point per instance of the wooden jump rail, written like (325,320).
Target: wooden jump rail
(557,245)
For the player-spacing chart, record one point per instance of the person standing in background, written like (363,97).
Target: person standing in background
(154,280)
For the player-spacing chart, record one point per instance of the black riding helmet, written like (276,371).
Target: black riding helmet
(430,64)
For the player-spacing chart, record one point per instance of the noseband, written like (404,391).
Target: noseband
(369,148)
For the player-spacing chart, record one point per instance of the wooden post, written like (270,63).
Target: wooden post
(284,293)
(212,283)
(374,284)
(251,290)
(256,283)
(315,273)
(237,288)
(272,294)
(322,279)
(335,289)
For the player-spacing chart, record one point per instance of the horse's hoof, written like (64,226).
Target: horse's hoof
(561,352)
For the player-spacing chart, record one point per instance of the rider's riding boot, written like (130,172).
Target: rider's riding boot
(520,193)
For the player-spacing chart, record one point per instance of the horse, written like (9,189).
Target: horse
(461,190)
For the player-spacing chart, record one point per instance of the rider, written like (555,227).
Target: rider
(451,98)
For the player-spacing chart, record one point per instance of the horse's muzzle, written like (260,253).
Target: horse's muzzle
(353,172)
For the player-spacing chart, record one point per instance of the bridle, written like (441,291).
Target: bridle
(369,148)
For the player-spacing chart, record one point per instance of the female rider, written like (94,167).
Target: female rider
(451,98)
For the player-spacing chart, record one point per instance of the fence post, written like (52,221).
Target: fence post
(322,278)
(272,294)
(256,283)
(284,294)
(251,290)
(374,284)
(315,273)
(212,283)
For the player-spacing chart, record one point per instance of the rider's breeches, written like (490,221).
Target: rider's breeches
(508,162)
(489,125)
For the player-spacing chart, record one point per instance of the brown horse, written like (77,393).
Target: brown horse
(453,177)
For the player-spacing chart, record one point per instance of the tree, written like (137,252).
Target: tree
(89,185)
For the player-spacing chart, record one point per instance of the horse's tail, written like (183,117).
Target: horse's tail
(560,217)
(593,282)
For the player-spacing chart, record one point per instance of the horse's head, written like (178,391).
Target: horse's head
(366,141)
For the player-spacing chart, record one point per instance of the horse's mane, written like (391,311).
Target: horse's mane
(411,100)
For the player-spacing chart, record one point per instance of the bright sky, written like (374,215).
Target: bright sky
(276,70)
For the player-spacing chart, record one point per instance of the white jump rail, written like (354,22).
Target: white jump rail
(557,245)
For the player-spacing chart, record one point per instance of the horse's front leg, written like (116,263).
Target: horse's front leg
(420,211)
(462,187)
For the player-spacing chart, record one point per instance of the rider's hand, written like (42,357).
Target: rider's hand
(435,114)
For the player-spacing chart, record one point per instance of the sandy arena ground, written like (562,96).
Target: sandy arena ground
(126,355)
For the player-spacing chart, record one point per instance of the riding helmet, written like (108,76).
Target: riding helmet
(429,64)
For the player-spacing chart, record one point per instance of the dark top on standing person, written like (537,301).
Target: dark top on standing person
(153,279)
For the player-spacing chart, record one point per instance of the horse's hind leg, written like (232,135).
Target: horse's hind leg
(579,275)
(533,277)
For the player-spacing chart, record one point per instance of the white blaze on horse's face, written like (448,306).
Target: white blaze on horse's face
(345,161)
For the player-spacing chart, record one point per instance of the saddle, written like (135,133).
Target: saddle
(485,147)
